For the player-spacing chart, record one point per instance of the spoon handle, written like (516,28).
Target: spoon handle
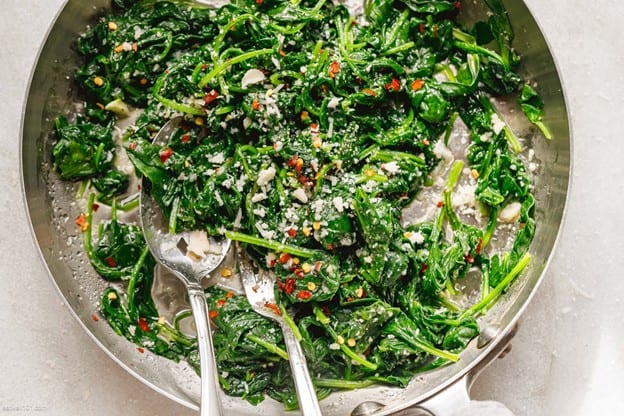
(306,395)
(210,402)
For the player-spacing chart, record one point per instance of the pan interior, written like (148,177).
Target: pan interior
(52,207)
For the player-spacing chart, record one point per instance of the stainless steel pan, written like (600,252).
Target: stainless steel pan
(52,207)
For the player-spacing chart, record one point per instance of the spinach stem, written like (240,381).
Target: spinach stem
(271,245)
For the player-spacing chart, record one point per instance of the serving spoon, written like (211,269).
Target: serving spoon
(171,251)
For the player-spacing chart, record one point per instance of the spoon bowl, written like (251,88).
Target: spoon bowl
(179,253)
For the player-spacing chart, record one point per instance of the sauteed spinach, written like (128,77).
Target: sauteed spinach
(308,134)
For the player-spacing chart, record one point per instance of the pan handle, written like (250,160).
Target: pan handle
(455,401)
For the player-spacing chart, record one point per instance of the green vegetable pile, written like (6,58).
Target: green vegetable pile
(307,132)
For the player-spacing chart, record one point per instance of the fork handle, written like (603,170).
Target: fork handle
(306,395)
(210,402)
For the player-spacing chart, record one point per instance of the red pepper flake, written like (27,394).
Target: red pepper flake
(418,84)
(283,258)
(479,247)
(141,350)
(292,232)
(292,162)
(95,207)
(135,46)
(394,85)
(421,28)
(110,261)
(143,324)
(273,307)
(435,31)
(334,68)
(229,295)
(211,96)
(469,259)
(220,303)
(299,273)
(305,181)
(132,145)
(259,2)
(185,138)
(95,318)
(281,53)
(457,4)
(314,128)
(423,268)
(289,286)
(82,222)
(317,266)
(370,92)
(425,142)
(440,204)
(255,105)
(304,294)
(165,154)
(272,263)
(213,314)
(326,310)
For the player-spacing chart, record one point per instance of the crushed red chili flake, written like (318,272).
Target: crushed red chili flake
(273,307)
(299,273)
(220,303)
(229,295)
(213,314)
(110,261)
(334,68)
(288,286)
(424,268)
(284,257)
(469,259)
(185,138)
(317,266)
(394,85)
(141,350)
(143,324)
(272,263)
(132,146)
(370,92)
(82,222)
(292,233)
(255,105)
(421,28)
(457,4)
(326,310)
(435,31)
(304,294)
(259,2)
(479,247)
(95,207)
(211,96)
(165,154)
(292,162)
(281,53)
(95,318)
(440,204)
(417,84)
(425,142)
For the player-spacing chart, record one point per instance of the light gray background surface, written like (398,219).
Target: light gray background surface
(568,357)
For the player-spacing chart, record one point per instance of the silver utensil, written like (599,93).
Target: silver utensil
(171,251)
(259,287)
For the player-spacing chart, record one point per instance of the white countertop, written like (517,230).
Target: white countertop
(567,358)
